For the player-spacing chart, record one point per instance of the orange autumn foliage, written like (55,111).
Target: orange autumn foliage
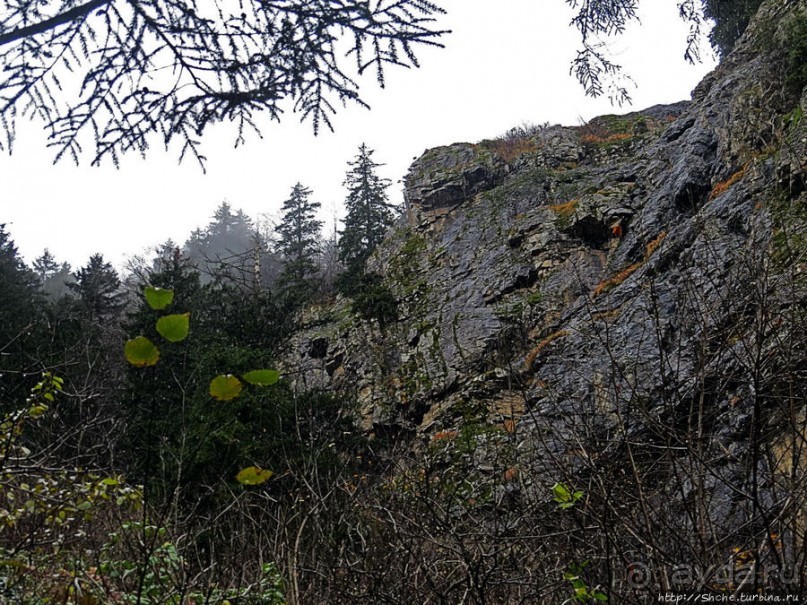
(532,355)
(615,280)
(653,245)
(444,435)
(721,187)
(566,209)
(511,473)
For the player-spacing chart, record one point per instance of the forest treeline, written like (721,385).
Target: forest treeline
(119,482)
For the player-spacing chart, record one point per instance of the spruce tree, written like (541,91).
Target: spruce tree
(298,243)
(369,213)
(731,17)
(99,289)
(54,278)
(224,251)
(19,317)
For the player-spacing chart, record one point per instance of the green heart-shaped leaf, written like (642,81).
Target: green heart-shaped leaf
(253,475)
(174,327)
(225,387)
(141,352)
(158,298)
(262,378)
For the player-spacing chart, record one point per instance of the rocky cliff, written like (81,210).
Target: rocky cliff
(622,304)
(586,263)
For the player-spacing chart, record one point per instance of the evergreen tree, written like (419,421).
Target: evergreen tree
(731,17)
(298,243)
(369,213)
(19,315)
(99,289)
(54,278)
(224,250)
(45,265)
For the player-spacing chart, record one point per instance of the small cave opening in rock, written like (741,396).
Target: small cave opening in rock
(318,348)
(591,230)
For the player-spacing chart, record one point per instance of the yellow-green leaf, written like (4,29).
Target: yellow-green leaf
(141,352)
(158,298)
(225,387)
(253,475)
(37,410)
(262,378)
(174,327)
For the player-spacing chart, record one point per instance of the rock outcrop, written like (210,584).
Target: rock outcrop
(633,276)
(623,304)
(574,257)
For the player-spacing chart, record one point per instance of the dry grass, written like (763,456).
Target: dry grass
(723,186)
(533,354)
(510,149)
(509,426)
(615,280)
(654,244)
(564,210)
(444,435)
(598,139)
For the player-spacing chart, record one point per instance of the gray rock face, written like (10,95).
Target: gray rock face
(446,176)
(599,281)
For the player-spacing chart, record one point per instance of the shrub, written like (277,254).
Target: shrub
(604,139)
(796,49)
(510,149)
(373,300)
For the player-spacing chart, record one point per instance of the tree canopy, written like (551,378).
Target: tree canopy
(731,17)
(226,247)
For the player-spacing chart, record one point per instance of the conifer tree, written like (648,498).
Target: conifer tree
(224,250)
(298,243)
(19,315)
(233,60)
(731,17)
(54,278)
(369,213)
(45,265)
(99,289)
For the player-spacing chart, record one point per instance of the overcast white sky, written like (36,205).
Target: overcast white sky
(506,62)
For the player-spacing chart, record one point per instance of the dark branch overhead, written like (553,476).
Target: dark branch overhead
(48,24)
(108,77)
(113,76)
